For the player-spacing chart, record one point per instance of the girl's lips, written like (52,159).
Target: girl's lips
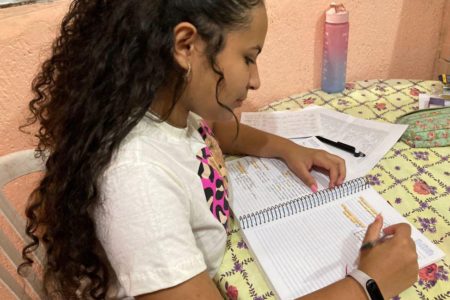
(239,102)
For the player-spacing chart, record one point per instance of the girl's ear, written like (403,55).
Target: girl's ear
(185,36)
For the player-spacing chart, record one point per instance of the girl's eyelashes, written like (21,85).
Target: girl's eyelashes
(249,60)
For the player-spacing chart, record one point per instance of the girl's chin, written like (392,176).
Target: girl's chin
(226,117)
(222,117)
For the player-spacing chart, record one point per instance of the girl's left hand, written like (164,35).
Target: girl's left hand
(301,160)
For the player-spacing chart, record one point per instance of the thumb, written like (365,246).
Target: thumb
(374,229)
(303,173)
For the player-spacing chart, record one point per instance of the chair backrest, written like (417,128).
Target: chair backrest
(13,166)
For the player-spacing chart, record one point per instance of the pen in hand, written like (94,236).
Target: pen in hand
(371,244)
(381,238)
(341,146)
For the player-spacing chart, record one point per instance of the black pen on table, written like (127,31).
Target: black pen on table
(341,146)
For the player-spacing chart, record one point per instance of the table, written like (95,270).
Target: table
(416,182)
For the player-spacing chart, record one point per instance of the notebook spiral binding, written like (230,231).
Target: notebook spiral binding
(303,203)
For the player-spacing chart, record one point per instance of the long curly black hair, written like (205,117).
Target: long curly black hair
(107,63)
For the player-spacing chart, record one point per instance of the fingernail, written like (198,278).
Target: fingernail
(314,188)
(378,217)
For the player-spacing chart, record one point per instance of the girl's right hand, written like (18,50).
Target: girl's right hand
(393,262)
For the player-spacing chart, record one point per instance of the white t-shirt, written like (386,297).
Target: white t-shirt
(155,223)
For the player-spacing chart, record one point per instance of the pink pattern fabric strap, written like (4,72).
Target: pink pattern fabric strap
(213,175)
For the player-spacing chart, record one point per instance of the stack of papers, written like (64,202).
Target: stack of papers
(372,138)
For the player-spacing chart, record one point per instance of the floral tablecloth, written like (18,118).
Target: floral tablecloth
(416,182)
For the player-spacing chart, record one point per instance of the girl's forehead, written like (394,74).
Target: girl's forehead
(255,33)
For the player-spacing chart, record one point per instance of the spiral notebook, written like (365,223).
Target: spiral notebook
(302,241)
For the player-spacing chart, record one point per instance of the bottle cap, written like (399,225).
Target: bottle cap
(336,14)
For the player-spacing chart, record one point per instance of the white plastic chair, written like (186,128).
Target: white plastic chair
(13,166)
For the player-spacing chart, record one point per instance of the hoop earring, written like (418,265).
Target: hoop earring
(188,72)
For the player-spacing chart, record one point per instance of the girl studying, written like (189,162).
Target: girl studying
(135,108)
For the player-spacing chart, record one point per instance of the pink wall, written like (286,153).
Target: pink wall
(388,39)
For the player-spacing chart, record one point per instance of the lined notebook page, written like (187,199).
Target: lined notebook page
(259,183)
(309,250)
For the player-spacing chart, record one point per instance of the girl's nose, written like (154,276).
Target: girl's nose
(254,83)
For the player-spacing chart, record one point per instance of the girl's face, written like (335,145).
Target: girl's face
(237,61)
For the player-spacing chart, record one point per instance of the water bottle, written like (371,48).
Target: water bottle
(335,49)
